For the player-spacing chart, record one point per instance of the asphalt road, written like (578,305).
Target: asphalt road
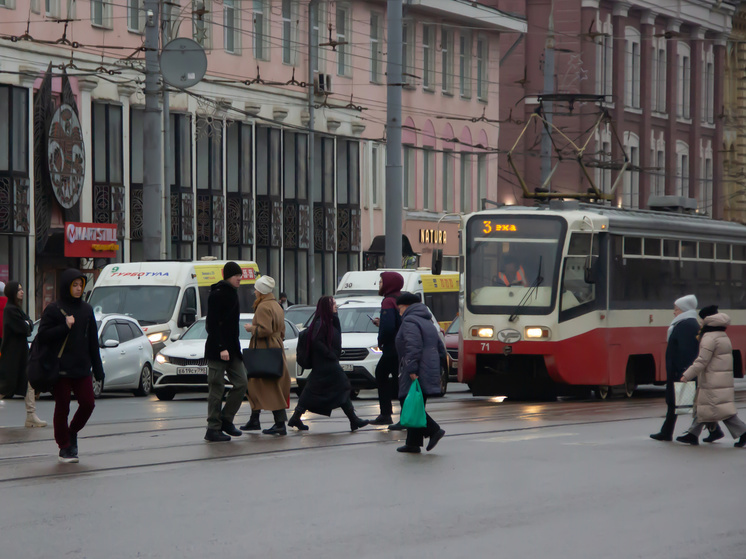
(566,479)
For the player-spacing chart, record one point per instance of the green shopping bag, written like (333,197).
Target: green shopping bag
(413,410)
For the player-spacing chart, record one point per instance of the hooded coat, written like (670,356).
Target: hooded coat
(81,352)
(223,313)
(388,326)
(14,351)
(715,400)
(269,320)
(420,351)
(328,386)
(681,352)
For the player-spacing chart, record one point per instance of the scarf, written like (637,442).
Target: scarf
(683,316)
(705,329)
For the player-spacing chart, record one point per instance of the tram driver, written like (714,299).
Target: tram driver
(512,273)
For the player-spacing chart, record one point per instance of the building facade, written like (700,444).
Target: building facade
(734,115)
(240,179)
(659,67)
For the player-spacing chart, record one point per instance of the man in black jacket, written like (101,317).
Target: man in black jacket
(223,353)
(68,329)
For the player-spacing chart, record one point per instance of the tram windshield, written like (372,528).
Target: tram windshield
(512,263)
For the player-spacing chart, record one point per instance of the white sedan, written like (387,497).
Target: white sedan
(182,367)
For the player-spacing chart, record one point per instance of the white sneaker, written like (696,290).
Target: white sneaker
(32,420)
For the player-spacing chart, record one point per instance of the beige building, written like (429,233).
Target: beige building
(734,114)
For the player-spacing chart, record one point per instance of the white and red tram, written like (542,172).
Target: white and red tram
(596,299)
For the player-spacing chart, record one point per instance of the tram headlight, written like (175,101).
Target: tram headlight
(536,333)
(483,332)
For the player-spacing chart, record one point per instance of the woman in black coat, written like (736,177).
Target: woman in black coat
(328,386)
(17,327)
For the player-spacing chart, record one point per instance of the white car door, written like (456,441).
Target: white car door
(111,357)
(291,347)
(131,350)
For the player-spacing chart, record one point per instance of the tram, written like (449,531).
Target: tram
(572,298)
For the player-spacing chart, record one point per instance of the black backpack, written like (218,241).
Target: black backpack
(303,351)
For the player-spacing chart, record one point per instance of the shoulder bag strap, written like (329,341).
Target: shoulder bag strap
(62,349)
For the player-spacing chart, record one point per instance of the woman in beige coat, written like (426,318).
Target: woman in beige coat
(715,400)
(268,330)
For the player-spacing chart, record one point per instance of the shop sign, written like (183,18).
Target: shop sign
(91,240)
(432,237)
(4,273)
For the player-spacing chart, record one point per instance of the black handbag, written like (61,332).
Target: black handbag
(43,369)
(264,362)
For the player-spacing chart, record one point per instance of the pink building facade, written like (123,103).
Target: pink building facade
(239,180)
(660,68)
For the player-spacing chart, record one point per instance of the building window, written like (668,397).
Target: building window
(52,8)
(481,179)
(343,40)
(239,187)
(604,58)
(658,162)
(108,182)
(261,30)
(483,49)
(428,179)
(658,75)
(9,4)
(682,169)
(464,64)
(446,59)
(448,181)
(632,67)
(409,163)
(318,13)
(376,32)
(428,56)
(603,159)
(708,86)
(631,185)
(706,182)
(375,173)
(232,26)
(210,199)
(202,22)
(289,15)
(466,190)
(135,16)
(684,80)
(100,12)
(407,52)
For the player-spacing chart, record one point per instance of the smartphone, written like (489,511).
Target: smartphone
(371,317)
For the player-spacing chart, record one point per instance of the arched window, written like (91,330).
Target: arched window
(708,85)
(631,186)
(604,56)
(705,182)
(682,168)
(631,67)
(684,73)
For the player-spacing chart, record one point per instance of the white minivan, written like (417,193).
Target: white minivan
(164,297)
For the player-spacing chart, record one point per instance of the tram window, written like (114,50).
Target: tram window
(580,244)
(706,250)
(688,249)
(721,272)
(652,247)
(739,253)
(670,248)
(723,251)
(738,286)
(632,246)
(575,291)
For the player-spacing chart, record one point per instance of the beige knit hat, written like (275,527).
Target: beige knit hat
(264,285)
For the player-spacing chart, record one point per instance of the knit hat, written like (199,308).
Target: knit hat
(407,298)
(264,285)
(708,311)
(231,269)
(686,303)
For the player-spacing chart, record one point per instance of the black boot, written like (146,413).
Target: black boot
(714,435)
(253,423)
(296,422)
(229,429)
(688,438)
(661,437)
(276,429)
(355,422)
(382,419)
(215,436)
(741,442)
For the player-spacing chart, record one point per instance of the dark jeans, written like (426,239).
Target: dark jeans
(216,371)
(387,379)
(83,390)
(416,437)
(670,422)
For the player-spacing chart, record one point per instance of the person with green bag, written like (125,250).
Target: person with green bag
(420,351)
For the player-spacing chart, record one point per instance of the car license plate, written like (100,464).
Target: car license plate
(191,370)
(348,367)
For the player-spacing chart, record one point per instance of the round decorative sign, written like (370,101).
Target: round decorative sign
(66,156)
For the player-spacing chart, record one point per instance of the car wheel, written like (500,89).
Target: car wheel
(146,381)
(166,394)
(444,374)
(98,388)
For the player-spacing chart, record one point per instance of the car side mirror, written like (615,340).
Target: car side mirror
(187,318)
(175,337)
(590,270)
(111,343)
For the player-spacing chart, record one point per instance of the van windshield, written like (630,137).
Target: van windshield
(149,304)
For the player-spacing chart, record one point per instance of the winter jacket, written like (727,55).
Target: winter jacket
(420,350)
(388,326)
(81,352)
(269,320)
(328,386)
(713,367)
(681,352)
(223,312)
(14,352)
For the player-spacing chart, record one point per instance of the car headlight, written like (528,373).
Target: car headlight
(375,349)
(162,359)
(482,332)
(159,337)
(536,332)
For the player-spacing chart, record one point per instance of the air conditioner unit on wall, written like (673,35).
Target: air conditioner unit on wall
(322,84)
